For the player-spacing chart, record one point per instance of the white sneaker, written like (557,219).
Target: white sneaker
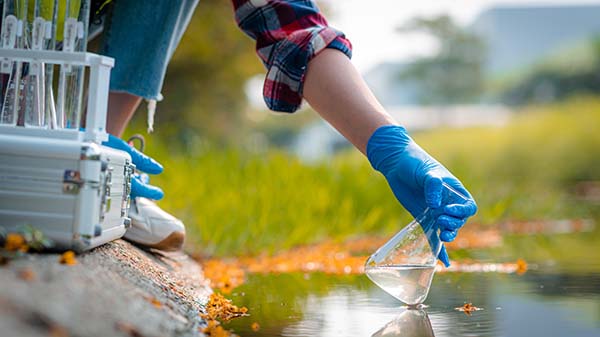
(154,228)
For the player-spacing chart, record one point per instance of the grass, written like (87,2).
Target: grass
(528,168)
(235,202)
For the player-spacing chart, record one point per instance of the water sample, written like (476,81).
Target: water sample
(404,266)
(408,283)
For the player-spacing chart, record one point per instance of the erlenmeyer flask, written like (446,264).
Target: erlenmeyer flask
(404,266)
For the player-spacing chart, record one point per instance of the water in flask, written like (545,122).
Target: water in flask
(408,283)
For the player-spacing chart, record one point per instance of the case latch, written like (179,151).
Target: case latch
(106,199)
(128,170)
(72,181)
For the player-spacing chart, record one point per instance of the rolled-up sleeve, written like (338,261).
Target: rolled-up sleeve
(288,35)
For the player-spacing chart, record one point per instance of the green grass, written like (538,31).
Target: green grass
(235,202)
(528,168)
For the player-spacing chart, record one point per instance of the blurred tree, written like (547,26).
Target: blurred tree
(455,73)
(555,81)
(204,96)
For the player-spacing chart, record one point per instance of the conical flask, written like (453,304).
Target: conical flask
(404,266)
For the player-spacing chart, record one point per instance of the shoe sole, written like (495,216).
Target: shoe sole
(171,243)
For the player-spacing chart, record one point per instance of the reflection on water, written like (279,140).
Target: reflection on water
(558,296)
(410,323)
(534,304)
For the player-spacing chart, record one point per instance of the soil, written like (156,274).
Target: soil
(114,290)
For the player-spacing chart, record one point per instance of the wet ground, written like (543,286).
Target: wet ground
(553,298)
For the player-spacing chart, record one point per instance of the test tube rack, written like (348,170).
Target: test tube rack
(99,68)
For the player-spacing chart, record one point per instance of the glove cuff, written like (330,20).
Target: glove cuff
(386,144)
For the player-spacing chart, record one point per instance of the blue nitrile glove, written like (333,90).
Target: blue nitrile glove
(416,180)
(139,185)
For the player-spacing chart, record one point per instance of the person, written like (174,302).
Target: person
(305,59)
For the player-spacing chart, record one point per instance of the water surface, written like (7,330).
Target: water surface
(554,298)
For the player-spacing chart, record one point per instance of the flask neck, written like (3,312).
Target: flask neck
(428,222)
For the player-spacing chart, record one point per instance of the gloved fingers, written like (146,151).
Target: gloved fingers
(448,235)
(447,222)
(443,256)
(142,162)
(433,191)
(145,163)
(461,210)
(139,189)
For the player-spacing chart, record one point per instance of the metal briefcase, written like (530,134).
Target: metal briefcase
(76,192)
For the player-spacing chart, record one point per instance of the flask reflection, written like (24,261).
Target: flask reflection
(410,323)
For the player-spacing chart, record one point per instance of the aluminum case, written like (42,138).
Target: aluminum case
(75,191)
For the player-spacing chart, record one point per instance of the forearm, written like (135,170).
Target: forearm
(335,89)
(296,34)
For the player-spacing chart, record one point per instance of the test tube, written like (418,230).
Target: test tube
(35,85)
(13,13)
(71,78)
(50,108)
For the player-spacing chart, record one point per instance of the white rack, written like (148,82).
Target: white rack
(97,94)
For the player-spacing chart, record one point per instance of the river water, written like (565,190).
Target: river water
(550,299)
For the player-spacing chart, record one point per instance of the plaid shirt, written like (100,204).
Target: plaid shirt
(288,35)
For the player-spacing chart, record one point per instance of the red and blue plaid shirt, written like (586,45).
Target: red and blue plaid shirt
(288,35)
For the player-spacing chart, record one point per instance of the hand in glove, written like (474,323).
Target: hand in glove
(139,185)
(417,180)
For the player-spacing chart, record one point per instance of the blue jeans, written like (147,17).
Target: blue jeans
(142,36)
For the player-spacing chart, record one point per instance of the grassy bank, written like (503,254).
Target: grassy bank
(237,203)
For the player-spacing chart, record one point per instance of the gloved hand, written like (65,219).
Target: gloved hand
(139,185)
(416,180)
